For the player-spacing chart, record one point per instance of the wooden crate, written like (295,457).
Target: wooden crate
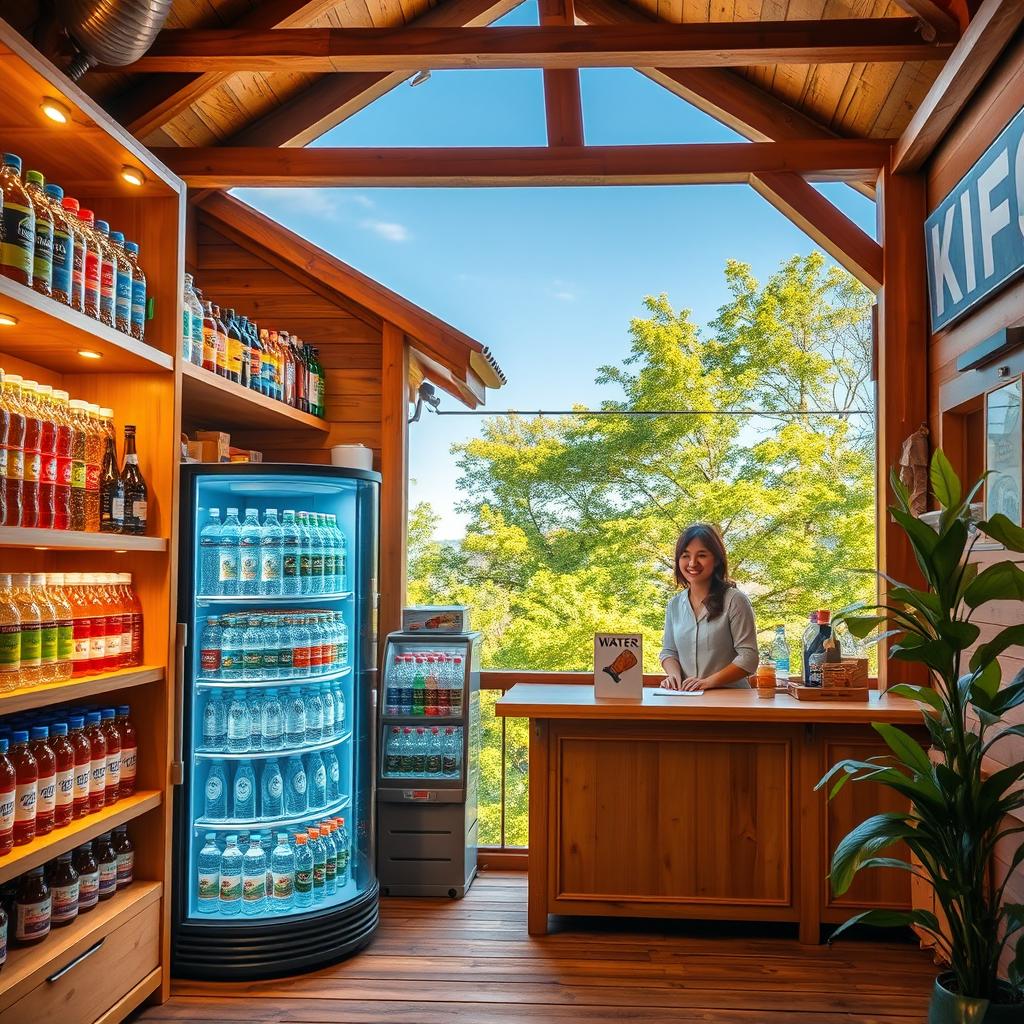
(801,692)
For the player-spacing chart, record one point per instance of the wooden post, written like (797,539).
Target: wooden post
(902,370)
(394,467)
(563,107)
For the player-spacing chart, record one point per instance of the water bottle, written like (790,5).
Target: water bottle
(451,753)
(231,878)
(211,642)
(209,555)
(254,878)
(340,710)
(216,808)
(300,640)
(341,559)
(458,681)
(272,722)
(282,874)
(290,553)
(208,887)
(294,787)
(319,863)
(303,871)
(294,718)
(344,850)
(269,646)
(405,751)
(271,554)
(305,554)
(239,726)
(314,716)
(249,547)
(327,702)
(433,765)
(342,641)
(419,756)
(393,752)
(330,858)
(254,704)
(780,655)
(316,774)
(272,790)
(243,803)
(316,572)
(231,655)
(333,775)
(252,648)
(215,722)
(228,554)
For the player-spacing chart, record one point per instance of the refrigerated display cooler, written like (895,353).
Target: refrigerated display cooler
(281,664)
(429,764)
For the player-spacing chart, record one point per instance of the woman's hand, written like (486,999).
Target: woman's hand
(694,683)
(673,677)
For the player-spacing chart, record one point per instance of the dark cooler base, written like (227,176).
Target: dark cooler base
(271,949)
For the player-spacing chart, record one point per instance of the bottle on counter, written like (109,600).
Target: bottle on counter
(196,321)
(93,263)
(106,858)
(125,851)
(108,273)
(79,252)
(8,798)
(63,441)
(815,653)
(64,892)
(129,749)
(26,780)
(88,878)
(64,754)
(111,482)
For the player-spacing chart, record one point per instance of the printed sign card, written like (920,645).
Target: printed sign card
(618,666)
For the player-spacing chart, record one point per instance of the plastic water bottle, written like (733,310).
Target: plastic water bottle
(393,752)
(269,640)
(331,858)
(316,773)
(405,751)
(282,874)
(294,718)
(209,555)
(305,554)
(340,710)
(451,753)
(434,757)
(254,704)
(239,726)
(300,642)
(342,641)
(211,643)
(294,787)
(231,878)
(780,655)
(290,553)
(327,701)
(272,722)
(252,648)
(272,790)
(271,554)
(314,716)
(303,871)
(419,758)
(319,863)
(229,553)
(333,775)
(316,572)
(243,803)
(249,545)
(341,558)
(341,840)
(231,655)
(208,887)
(216,808)
(254,878)
(215,722)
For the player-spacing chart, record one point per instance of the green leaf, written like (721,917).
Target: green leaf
(860,626)
(900,489)
(923,539)
(963,633)
(922,600)
(945,482)
(1004,530)
(1009,637)
(1010,696)
(1000,582)
(891,919)
(987,680)
(948,552)
(921,694)
(868,838)
(908,750)
(937,654)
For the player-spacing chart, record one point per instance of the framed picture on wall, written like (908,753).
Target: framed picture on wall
(1004,443)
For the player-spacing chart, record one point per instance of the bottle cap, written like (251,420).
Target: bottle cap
(55,191)
(824,616)
(103,227)
(59,729)
(123,710)
(76,721)
(11,160)
(92,718)
(87,215)
(132,247)
(40,732)
(70,204)
(117,236)
(300,838)
(36,177)
(19,736)
(108,714)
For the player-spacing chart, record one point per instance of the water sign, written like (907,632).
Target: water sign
(974,239)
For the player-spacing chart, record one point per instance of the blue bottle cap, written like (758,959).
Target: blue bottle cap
(59,729)
(55,191)
(108,714)
(76,721)
(123,709)
(117,236)
(132,247)
(40,732)
(12,160)
(20,736)
(103,227)
(93,718)
(3,746)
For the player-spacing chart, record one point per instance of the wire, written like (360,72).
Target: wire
(654,412)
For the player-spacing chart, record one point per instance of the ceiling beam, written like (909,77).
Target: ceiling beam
(990,30)
(563,107)
(335,97)
(147,105)
(711,44)
(239,167)
(934,17)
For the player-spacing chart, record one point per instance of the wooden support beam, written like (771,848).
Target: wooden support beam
(990,30)
(147,105)
(706,44)
(728,162)
(810,211)
(934,17)
(563,107)
(335,97)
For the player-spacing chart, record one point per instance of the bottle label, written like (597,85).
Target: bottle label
(98,776)
(303,880)
(32,920)
(317,566)
(108,274)
(48,643)
(10,647)
(88,889)
(126,635)
(32,467)
(275,787)
(65,640)
(138,303)
(284,659)
(48,469)
(209,887)
(117,508)
(129,758)
(114,645)
(65,902)
(108,877)
(209,345)
(230,660)
(234,355)
(335,773)
(16,463)
(25,801)
(332,868)
(300,658)
(228,568)
(252,660)
(299,782)
(254,888)
(63,471)
(283,885)
(65,787)
(82,775)
(113,779)
(271,568)
(291,565)
(42,257)
(46,799)
(7,801)
(123,299)
(82,641)
(209,659)
(31,644)
(63,262)
(19,232)
(92,477)
(320,777)
(97,648)
(92,273)
(319,873)
(139,510)
(214,789)
(78,473)
(243,789)
(125,868)
(231,888)
(305,564)
(249,568)
(3,462)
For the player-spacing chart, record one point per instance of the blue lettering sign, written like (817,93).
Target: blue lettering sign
(974,239)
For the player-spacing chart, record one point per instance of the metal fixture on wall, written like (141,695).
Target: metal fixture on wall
(426,393)
(112,32)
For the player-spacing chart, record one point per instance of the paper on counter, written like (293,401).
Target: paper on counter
(659,692)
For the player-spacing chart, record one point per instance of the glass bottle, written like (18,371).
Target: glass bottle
(255,357)
(95,253)
(42,252)
(265,363)
(64,889)
(222,342)
(135,490)
(79,252)
(63,246)
(196,319)
(111,484)
(93,462)
(139,299)
(88,878)
(17,240)
(122,285)
(244,369)
(32,909)
(10,636)
(234,346)
(186,320)
(209,361)
(31,629)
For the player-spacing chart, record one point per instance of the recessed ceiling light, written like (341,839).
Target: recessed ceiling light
(8,320)
(132,175)
(120,551)
(87,353)
(55,110)
(39,548)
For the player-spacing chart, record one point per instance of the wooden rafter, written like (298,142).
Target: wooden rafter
(231,167)
(934,17)
(712,44)
(988,34)
(563,107)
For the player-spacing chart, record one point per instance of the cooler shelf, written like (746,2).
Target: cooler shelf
(274,599)
(266,684)
(264,755)
(234,824)
(75,540)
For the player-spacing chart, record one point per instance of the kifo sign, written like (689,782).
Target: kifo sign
(618,666)
(975,237)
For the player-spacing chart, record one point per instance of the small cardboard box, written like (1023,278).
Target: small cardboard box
(218,438)
(208,451)
(436,619)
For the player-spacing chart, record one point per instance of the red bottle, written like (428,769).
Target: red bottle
(46,779)
(98,641)
(98,762)
(62,450)
(83,765)
(81,623)
(47,458)
(113,602)
(129,750)
(8,793)
(14,443)
(64,752)
(133,608)
(27,775)
(112,786)
(32,461)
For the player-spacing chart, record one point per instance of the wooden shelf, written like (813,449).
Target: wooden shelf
(78,689)
(50,334)
(27,966)
(75,540)
(215,402)
(44,848)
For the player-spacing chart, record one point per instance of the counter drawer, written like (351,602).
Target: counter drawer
(95,978)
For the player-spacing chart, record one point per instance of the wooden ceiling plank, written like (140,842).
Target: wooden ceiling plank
(987,35)
(713,44)
(240,167)
(563,106)
(843,240)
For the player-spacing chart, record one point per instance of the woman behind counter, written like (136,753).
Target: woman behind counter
(710,637)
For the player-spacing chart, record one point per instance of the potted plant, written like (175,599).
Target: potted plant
(957,811)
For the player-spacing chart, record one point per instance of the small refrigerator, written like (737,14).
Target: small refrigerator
(429,764)
(278,676)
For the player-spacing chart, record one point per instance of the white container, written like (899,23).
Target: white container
(353,456)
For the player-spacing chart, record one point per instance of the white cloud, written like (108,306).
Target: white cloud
(326,204)
(564,291)
(389,230)
(564,296)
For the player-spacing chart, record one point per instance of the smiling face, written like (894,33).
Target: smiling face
(696,563)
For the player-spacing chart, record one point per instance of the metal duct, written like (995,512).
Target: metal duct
(113,32)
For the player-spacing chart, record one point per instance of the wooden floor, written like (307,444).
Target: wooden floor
(471,962)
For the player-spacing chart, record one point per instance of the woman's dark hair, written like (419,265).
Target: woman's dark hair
(709,536)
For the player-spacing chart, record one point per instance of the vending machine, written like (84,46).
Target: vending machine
(274,855)
(429,764)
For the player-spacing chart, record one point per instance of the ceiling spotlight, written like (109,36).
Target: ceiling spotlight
(87,353)
(56,111)
(420,77)
(132,175)
(8,320)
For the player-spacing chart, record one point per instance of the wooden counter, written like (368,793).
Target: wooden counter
(698,807)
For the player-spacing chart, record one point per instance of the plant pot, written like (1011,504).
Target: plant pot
(947,1007)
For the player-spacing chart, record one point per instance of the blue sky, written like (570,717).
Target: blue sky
(547,278)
